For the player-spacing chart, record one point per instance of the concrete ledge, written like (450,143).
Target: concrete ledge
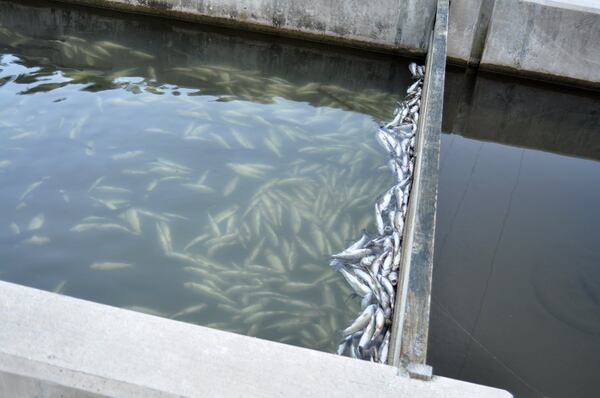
(53,345)
(549,40)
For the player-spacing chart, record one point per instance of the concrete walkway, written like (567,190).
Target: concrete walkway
(53,345)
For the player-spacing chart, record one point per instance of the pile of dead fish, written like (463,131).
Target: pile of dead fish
(371,264)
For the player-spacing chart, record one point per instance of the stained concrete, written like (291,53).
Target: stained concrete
(385,24)
(52,345)
(557,40)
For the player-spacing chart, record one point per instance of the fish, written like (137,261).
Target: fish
(145,310)
(60,288)
(199,188)
(32,188)
(132,218)
(14,228)
(141,54)
(111,189)
(109,266)
(127,155)
(4,164)
(64,195)
(194,309)
(100,227)
(231,186)
(242,140)
(198,239)
(37,240)
(36,222)
(76,130)
(25,135)
(109,45)
(96,182)
(370,265)
(294,287)
(209,292)
(249,170)
(164,236)
(220,140)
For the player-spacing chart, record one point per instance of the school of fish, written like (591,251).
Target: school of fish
(242,234)
(371,264)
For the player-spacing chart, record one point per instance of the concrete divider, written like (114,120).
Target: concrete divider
(410,328)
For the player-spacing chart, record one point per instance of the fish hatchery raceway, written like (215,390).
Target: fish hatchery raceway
(180,173)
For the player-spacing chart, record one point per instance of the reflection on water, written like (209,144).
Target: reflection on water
(516,290)
(204,192)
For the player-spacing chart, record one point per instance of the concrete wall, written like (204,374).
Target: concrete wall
(545,39)
(385,24)
(57,346)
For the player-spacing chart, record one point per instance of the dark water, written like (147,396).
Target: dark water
(187,173)
(516,290)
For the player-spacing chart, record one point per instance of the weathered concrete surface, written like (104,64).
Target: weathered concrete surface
(410,327)
(53,345)
(522,113)
(386,24)
(462,23)
(557,40)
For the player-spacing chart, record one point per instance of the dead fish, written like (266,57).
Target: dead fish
(32,188)
(36,222)
(231,185)
(127,155)
(60,288)
(164,236)
(109,266)
(111,189)
(132,218)
(4,164)
(14,228)
(196,240)
(199,188)
(208,292)
(100,227)
(194,309)
(249,170)
(37,240)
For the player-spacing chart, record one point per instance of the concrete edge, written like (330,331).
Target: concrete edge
(410,326)
(57,346)
(537,76)
(250,27)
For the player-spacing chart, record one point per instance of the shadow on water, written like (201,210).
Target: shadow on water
(515,301)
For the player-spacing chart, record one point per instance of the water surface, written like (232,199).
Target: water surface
(516,289)
(187,173)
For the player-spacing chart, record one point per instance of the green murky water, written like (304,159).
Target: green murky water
(147,176)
